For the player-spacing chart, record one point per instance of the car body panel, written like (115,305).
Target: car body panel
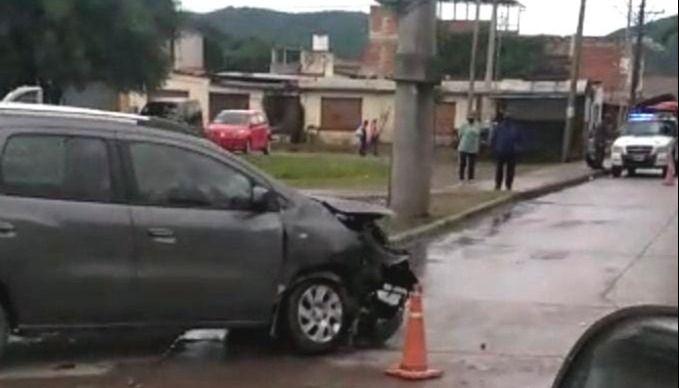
(213,265)
(79,266)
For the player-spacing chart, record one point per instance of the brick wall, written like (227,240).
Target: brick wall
(380,54)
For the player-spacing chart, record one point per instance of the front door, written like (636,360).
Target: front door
(66,248)
(204,254)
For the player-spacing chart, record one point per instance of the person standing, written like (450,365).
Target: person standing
(362,136)
(506,143)
(375,132)
(468,148)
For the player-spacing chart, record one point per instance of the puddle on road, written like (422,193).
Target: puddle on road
(569,224)
(550,255)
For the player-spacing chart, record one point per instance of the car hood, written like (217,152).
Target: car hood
(358,208)
(653,141)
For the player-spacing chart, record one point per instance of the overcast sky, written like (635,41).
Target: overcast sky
(540,17)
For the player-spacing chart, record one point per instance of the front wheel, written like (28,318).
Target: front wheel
(631,171)
(4,331)
(317,316)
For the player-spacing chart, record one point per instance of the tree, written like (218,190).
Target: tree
(57,44)
(520,56)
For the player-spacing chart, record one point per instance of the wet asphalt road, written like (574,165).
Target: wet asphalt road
(506,297)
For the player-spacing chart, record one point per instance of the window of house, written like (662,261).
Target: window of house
(56,167)
(174,177)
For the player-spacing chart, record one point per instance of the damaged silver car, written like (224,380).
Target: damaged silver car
(108,221)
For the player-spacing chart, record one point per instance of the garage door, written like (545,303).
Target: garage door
(341,114)
(220,102)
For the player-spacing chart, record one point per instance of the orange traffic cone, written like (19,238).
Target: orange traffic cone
(669,178)
(414,365)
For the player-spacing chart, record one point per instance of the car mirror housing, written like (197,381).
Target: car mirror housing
(264,200)
(635,347)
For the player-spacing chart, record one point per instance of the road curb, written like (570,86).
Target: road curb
(440,225)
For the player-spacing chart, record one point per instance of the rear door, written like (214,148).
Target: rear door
(65,239)
(203,253)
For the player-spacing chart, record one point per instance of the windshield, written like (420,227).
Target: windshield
(649,128)
(232,118)
(160,109)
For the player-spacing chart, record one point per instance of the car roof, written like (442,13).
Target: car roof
(39,110)
(132,122)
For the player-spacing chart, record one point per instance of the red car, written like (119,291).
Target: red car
(241,130)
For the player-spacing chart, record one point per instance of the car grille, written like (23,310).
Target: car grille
(639,150)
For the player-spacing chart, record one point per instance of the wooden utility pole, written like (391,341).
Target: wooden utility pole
(416,79)
(573,95)
(490,61)
(638,55)
(471,98)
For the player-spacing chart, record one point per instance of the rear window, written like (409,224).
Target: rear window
(56,167)
(233,118)
(160,109)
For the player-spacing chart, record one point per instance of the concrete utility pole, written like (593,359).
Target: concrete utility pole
(471,98)
(628,54)
(638,55)
(490,61)
(573,95)
(416,79)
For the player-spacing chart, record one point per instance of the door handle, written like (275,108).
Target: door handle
(7,230)
(162,235)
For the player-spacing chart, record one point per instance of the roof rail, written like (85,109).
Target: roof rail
(72,112)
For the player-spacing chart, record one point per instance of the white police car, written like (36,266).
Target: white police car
(647,141)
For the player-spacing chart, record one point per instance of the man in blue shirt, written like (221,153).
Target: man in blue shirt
(506,144)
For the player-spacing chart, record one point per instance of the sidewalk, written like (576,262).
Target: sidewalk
(457,202)
(526,180)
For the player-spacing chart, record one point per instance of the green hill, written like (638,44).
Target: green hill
(664,32)
(348,31)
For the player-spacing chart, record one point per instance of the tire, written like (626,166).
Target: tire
(317,316)
(4,331)
(267,149)
(631,171)
(617,172)
(664,172)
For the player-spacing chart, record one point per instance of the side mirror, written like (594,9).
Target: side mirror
(264,200)
(633,348)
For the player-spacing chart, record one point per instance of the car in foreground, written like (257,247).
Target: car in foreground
(108,222)
(241,131)
(631,348)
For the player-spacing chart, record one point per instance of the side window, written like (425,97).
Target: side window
(170,176)
(57,167)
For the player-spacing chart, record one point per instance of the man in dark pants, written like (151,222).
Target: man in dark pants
(468,149)
(506,145)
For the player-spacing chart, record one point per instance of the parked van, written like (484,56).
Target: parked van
(107,221)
